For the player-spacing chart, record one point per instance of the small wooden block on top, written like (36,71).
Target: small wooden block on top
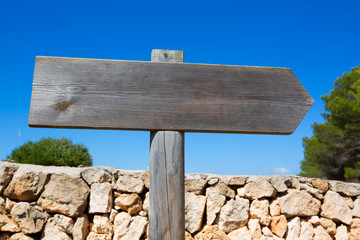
(130,95)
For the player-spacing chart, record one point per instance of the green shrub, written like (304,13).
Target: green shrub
(52,152)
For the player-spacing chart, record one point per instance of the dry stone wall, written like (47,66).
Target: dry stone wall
(60,203)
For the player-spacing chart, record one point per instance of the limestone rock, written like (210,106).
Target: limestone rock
(306,231)
(356,209)
(66,195)
(129,183)
(341,233)
(194,211)
(146,179)
(328,225)
(9,204)
(98,236)
(96,175)
(355,229)
(215,201)
(27,186)
(259,209)
(241,192)
(146,202)
(237,181)
(240,234)
(223,189)
(29,218)
(275,209)
(298,203)
(188,236)
(348,189)
(113,214)
(81,228)
(278,225)
(8,225)
(102,225)
(20,236)
(314,220)
(254,229)
(280,183)
(267,232)
(293,229)
(335,208)
(234,214)
(212,180)
(259,189)
(129,202)
(194,185)
(100,198)
(52,231)
(313,191)
(65,223)
(6,173)
(211,233)
(322,185)
(128,228)
(321,234)
(295,183)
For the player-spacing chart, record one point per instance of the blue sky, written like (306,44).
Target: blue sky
(318,40)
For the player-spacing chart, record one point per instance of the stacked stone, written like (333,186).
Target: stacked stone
(61,203)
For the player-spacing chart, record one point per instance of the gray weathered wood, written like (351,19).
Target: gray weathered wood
(167,191)
(110,94)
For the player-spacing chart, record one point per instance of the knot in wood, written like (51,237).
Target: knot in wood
(62,106)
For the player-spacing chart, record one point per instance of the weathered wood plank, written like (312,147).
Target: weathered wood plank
(110,94)
(167,171)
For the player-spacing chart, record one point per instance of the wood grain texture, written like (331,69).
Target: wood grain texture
(167,191)
(111,94)
(167,174)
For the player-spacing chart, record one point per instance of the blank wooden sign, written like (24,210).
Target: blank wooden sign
(130,95)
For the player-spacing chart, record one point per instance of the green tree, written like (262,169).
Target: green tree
(333,152)
(52,152)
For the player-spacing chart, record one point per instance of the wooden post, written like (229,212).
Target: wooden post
(167,191)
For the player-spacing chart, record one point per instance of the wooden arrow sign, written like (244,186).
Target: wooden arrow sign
(112,94)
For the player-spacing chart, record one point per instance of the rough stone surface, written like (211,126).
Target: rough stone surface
(96,175)
(275,209)
(306,231)
(215,201)
(278,225)
(223,189)
(321,234)
(211,232)
(313,191)
(9,204)
(237,181)
(356,209)
(20,236)
(298,203)
(314,220)
(254,229)
(234,214)
(322,185)
(348,189)
(128,228)
(52,231)
(188,236)
(349,202)
(27,186)
(65,223)
(66,195)
(100,198)
(335,208)
(129,202)
(81,228)
(146,202)
(102,225)
(29,218)
(293,229)
(280,183)
(328,225)
(8,225)
(98,236)
(259,189)
(259,209)
(129,183)
(267,232)
(194,211)
(240,234)
(355,229)
(341,233)
(194,185)
(7,171)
